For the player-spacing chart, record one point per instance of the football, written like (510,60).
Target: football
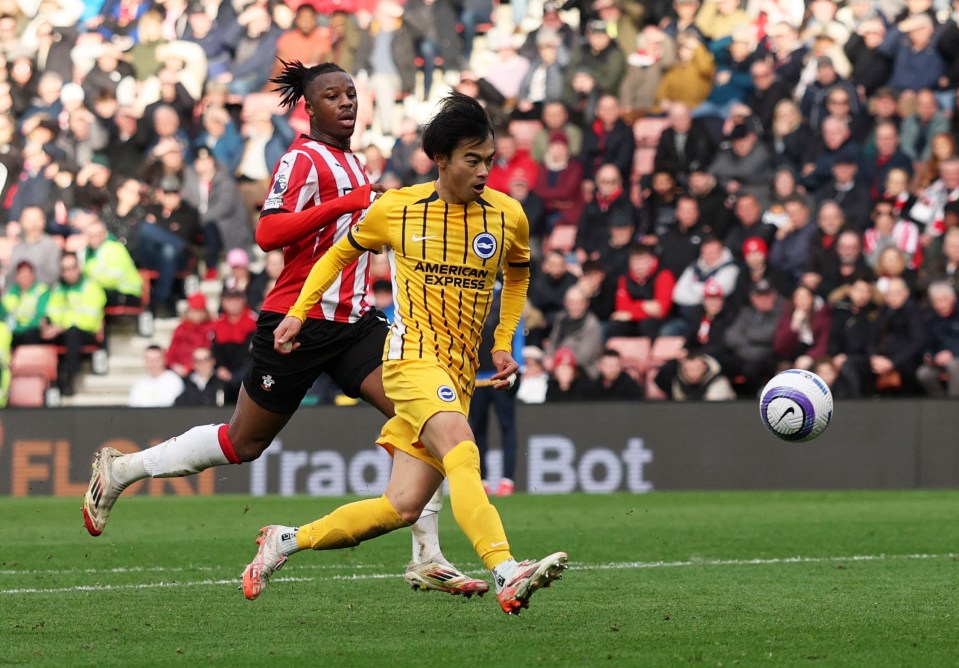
(796,405)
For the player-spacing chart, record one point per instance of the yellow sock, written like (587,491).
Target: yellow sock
(349,525)
(474,513)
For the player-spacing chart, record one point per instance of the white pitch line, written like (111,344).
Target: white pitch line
(629,565)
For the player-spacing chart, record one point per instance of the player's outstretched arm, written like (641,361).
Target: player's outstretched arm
(278,228)
(322,275)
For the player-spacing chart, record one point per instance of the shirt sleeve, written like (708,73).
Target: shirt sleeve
(515,285)
(367,236)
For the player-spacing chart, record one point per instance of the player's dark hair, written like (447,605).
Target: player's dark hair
(295,78)
(460,119)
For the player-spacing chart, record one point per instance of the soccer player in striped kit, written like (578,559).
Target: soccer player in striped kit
(319,190)
(447,240)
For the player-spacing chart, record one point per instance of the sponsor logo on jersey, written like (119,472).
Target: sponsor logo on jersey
(484,245)
(446,393)
(279,184)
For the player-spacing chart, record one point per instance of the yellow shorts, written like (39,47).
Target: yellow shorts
(419,389)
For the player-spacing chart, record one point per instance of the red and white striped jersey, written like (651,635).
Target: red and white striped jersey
(311,173)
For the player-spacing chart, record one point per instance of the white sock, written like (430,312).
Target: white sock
(187,454)
(426,531)
(288,544)
(502,573)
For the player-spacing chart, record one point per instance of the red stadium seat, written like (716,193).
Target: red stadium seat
(562,238)
(27,392)
(633,351)
(643,160)
(666,348)
(653,393)
(648,130)
(35,360)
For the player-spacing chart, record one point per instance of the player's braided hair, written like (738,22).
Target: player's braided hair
(295,77)
(459,118)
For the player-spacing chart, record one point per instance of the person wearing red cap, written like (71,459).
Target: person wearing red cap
(567,382)
(755,268)
(194,332)
(560,183)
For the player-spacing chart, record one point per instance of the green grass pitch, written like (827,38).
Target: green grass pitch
(663,579)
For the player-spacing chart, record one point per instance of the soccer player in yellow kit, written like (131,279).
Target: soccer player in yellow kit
(446,242)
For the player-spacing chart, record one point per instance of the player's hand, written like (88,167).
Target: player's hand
(506,370)
(284,336)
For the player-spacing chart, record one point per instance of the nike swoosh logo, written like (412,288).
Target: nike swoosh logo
(418,238)
(502,542)
(788,411)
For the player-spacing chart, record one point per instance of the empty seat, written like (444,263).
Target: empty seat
(666,348)
(524,131)
(562,238)
(27,391)
(35,360)
(633,351)
(647,130)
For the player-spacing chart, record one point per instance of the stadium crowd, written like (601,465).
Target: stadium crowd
(715,189)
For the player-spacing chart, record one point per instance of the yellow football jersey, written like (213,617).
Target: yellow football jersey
(444,260)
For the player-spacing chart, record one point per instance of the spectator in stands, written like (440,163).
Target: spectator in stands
(653,55)
(160,387)
(714,264)
(747,222)
(709,326)
(891,264)
(263,282)
(746,166)
(534,378)
(919,128)
(509,161)
(386,52)
(266,137)
(37,247)
(888,157)
(556,118)
(240,277)
(567,381)
(684,145)
(221,138)
(788,52)
(718,18)
(802,334)
(554,24)
(74,319)
(601,56)
(768,91)
(599,286)
(560,183)
(94,184)
(690,79)
(943,148)
(790,135)
(232,333)
(202,387)
(109,263)
(210,189)
(790,252)
(829,223)
(854,316)
(193,332)
(165,132)
(305,40)
(613,383)
(848,192)
(836,141)
(836,272)
(750,338)
(679,245)
(732,83)
(929,209)
(944,265)
(254,51)
(609,203)
(577,329)
(888,230)
(543,81)
(520,188)
(644,296)
(659,202)
(174,215)
(695,377)
(608,141)
(124,149)
(34,187)
(870,66)
(711,198)
(204,30)
(898,341)
(25,304)
(916,61)
(939,373)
